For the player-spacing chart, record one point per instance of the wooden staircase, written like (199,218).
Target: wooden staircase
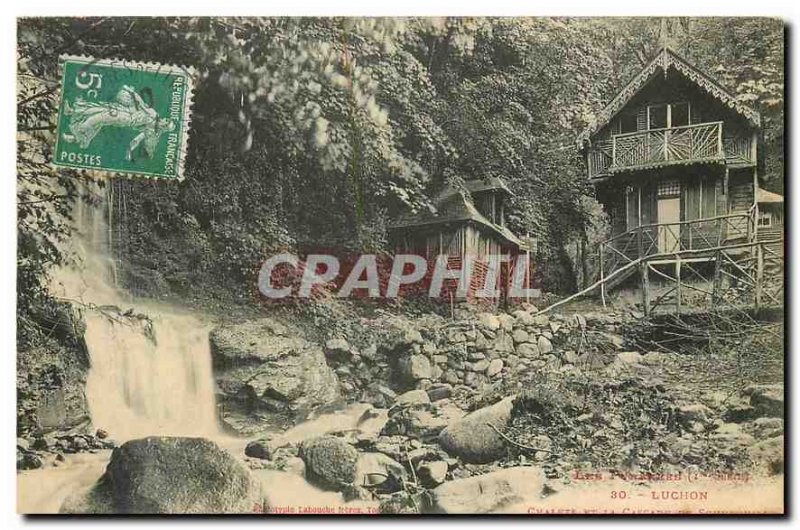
(745,269)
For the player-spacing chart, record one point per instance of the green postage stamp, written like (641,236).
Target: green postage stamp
(123,117)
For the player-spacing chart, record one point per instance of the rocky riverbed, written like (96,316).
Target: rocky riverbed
(474,414)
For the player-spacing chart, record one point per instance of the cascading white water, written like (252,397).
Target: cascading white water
(150,372)
(150,382)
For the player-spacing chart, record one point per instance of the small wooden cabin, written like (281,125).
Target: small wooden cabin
(673,158)
(468,221)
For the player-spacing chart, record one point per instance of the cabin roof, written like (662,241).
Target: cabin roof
(491,184)
(662,62)
(764,197)
(459,209)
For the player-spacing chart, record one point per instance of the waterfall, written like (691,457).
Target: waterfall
(150,370)
(150,377)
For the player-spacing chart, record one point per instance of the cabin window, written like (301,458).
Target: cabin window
(765,219)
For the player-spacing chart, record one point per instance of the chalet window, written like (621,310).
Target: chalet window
(669,188)
(628,123)
(679,114)
(701,200)
(657,117)
(668,115)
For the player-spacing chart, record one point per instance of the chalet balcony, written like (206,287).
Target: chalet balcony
(701,142)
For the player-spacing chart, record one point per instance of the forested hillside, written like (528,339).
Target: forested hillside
(317,132)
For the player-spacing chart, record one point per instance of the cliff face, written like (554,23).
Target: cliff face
(51,376)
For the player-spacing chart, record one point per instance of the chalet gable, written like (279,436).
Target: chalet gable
(664,62)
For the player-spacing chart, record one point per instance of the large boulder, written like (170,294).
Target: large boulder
(487,493)
(331,463)
(767,400)
(269,376)
(473,437)
(769,454)
(170,475)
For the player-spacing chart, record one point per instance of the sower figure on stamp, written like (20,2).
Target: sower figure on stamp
(88,118)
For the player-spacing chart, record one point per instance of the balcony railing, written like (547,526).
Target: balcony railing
(702,142)
(671,238)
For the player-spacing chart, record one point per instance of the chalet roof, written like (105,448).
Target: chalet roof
(491,184)
(454,207)
(663,61)
(764,197)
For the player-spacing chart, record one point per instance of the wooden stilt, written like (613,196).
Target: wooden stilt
(759,275)
(717,280)
(678,292)
(602,278)
(645,272)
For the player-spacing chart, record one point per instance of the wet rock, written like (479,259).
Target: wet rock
(415,367)
(380,473)
(487,493)
(268,378)
(259,449)
(28,460)
(45,442)
(166,475)
(79,444)
(330,462)
(472,439)
(431,474)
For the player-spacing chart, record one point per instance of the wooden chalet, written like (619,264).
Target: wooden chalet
(674,161)
(468,221)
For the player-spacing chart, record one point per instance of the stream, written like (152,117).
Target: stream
(150,375)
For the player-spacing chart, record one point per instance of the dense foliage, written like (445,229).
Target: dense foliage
(319,131)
